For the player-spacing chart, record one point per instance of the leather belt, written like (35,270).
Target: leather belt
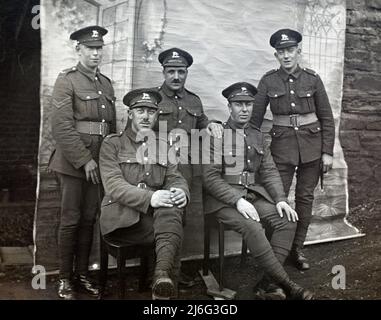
(93,128)
(246,178)
(294,120)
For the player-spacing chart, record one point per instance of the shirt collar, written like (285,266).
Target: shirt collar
(170,93)
(285,75)
(87,72)
(234,125)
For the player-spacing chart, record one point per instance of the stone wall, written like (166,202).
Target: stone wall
(360,130)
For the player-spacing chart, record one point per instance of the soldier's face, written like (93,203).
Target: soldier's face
(90,57)
(142,118)
(175,77)
(240,111)
(288,57)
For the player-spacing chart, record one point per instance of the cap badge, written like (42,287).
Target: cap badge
(146,96)
(243,89)
(285,37)
(175,55)
(95,34)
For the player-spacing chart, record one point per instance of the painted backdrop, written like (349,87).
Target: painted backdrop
(229,42)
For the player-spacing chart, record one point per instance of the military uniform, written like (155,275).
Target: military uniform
(182,109)
(243,168)
(259,182)
(83,114)
(132,169)
(303,127)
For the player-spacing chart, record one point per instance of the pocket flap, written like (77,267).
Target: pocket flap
(195,112)
(315,129)
(305,93)
(87,95)
(276,93)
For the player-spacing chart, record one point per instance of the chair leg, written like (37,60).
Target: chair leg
(121,261)
(243,253)
(206,246)
(143,272)
(103,269)
(221,253)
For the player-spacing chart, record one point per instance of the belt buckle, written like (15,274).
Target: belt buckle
(294,120)
(142,185)
(103,129)
(244,175)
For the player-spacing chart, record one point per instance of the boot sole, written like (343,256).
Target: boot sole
(163,289)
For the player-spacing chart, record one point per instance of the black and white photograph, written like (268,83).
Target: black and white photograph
(190,150)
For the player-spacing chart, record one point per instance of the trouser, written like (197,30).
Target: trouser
(270,254)
(79,207)
(307,177)
(162,226)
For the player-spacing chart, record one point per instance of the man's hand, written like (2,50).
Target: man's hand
(91,171)
(247,209)
(327,161)
(178,197)
(161,198)
(291,213)
(215,130)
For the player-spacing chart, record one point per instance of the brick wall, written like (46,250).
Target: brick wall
(360,130)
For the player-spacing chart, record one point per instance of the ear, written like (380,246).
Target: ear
(229,107)
(276,54)
(299,51)
(129,113)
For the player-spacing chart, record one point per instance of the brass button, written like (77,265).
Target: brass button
(249,147)
(103,106)
(296,128)
(180,108)
(180,121)
(147,173)
(291,80)
(292,91)
(275,95)
(88,97)
(100,92)
(308,95)
(103,120)
(292,104)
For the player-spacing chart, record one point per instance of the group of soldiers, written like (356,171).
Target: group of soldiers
(143,195)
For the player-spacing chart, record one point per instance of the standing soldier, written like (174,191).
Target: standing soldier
(83,114)
(303,128)
(181,109)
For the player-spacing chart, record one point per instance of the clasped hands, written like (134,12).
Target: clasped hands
(169,198)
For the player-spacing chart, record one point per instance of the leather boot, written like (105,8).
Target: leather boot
(83,284)
(163,287)
(296,292)
(268,290)
(298,258)
(65,289)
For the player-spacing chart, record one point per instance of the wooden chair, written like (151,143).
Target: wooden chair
(122,251)
(209,222)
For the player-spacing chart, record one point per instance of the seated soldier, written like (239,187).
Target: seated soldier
(145,195)
(244,191)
